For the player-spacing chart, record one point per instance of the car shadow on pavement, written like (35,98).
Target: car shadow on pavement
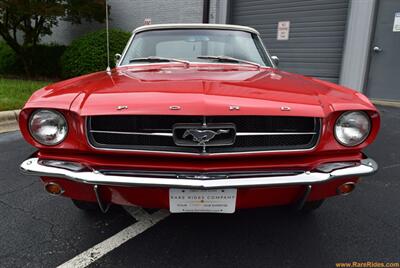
(250,238)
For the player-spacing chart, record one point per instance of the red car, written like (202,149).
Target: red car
(198,118)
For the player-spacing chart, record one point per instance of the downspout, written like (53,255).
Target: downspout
(206,11)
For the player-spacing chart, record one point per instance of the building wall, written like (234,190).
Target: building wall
(314,44)
(129,14)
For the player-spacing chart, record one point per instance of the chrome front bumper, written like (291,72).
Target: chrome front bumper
(79,173)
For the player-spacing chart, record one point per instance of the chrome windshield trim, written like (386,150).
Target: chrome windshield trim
(273,65)
(177,26)
(34,167)
(194,26)
(193,64)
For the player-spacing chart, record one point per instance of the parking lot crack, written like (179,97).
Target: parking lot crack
(25,248)
(52,227)
(18,189)
(35,218)
(391,166)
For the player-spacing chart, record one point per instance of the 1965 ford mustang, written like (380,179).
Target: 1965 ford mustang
(198,118)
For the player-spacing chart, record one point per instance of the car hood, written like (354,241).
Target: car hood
(199,90)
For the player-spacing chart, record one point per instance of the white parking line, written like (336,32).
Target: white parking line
(144,221)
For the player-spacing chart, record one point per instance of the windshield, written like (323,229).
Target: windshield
(194,44)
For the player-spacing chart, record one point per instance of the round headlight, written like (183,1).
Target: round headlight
(48,127)
(352,128)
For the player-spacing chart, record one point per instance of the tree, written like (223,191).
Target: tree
(24,22)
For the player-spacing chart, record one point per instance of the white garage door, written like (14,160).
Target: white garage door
(316,34)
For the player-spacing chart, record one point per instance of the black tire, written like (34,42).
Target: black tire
(311,206)
(86,206)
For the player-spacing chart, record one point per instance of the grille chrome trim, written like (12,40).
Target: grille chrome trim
(133,133)
(317,121)
(273,133)
(166,134)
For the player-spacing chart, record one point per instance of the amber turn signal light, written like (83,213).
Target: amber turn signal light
(54,188)
(346,188)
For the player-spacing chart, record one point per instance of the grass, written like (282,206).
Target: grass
(14,93)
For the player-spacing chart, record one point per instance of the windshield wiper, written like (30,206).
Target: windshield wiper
(159,59)
(229,59)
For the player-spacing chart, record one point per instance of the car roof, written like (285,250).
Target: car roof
(195,26)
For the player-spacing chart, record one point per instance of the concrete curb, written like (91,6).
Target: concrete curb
(395,104)
(9,121)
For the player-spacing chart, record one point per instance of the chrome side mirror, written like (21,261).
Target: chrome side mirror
(117,58)
(275,59)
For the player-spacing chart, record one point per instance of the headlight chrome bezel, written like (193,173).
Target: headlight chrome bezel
(40,140)
(364,137)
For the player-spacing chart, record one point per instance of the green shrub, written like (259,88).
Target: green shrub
(8,60)
(45,61)
(89,53)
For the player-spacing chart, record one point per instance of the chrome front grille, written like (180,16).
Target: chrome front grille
(155,133)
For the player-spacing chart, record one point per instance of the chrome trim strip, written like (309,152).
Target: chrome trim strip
(32,166)
(273,133)
(133,133)
(267,52)
(171,135)
(128,44)
(201,154)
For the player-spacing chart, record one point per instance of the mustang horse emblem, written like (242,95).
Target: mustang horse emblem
(203,136)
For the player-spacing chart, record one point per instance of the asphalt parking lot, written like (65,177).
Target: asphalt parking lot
(39,230)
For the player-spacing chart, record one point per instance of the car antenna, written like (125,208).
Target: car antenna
(108,69)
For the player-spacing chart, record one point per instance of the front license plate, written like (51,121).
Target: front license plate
(208,201)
